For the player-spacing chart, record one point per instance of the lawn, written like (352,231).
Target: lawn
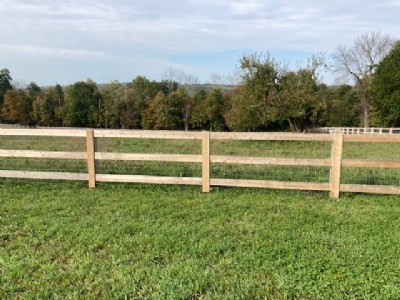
(60,240)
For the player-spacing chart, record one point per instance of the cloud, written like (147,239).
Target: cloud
(249,7)
(60,53)
(162,31)
(183,26)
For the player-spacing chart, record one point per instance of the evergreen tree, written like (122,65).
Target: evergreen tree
(386,89)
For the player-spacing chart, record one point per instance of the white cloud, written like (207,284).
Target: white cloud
(246,7)
(39,51)
(136,30)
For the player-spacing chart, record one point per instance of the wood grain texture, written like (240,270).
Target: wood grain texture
(149,157)
(91,158)
(42,154)
(336,156)
(148,179)
(205,169)
(374,189)
(148,134)
(270,136)
(271,184)
(43,175)
(278,161)
(44,132)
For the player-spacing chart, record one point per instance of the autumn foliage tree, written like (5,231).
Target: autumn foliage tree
(17,107)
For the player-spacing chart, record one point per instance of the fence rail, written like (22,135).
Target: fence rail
(206,159)
(362,130)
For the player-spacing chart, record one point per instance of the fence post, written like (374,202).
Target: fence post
(90,157)
(205,170)
(336,158)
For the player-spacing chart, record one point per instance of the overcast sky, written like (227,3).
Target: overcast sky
(65,41)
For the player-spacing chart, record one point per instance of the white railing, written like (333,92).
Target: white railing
(362,130)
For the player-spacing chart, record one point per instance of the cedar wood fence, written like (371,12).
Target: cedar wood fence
(335,162)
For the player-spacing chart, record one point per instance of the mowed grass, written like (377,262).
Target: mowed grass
(60,240)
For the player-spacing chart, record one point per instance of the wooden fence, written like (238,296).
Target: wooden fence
(362,130)
(335,162)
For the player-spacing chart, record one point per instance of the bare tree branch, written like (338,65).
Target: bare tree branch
(359,62)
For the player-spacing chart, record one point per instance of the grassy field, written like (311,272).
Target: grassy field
(59,240)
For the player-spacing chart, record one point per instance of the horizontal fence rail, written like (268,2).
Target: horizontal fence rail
(91,156)
(362,130)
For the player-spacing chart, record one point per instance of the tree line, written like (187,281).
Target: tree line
(268,97)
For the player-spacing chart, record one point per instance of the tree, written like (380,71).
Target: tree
(208,113)
(10,109)
(245,113)
(36,95)
(250,105)
(82,104)
(386,89)
(59,98)
(342,106)
(187,112)
(359,62)
(5,84)
(185,81)
(167,86)
(151,114)
(165,112)
(199,117)
(298,100)
(51,108)
(138,95)
(172,79)
(33,90)
(113,104)
(17,107)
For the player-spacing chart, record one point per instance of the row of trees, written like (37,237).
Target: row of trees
(269,97)
(139,104)
(295,101)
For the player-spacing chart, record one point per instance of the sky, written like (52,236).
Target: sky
(65,41)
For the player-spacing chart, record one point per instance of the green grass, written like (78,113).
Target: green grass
(41,143)
(293,149)
(63,241)
(218,147)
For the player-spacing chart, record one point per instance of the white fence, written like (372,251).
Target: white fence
(362,130)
